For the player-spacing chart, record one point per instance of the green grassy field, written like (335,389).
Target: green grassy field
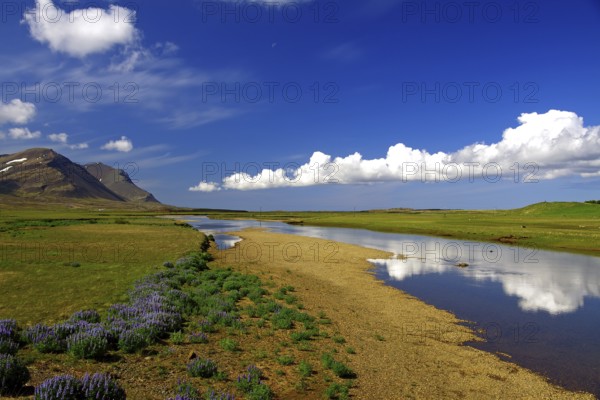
(54,263)
(573,227)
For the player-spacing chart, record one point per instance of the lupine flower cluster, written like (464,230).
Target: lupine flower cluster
(90,316)
(8,337)
(206,326)
(8,329)
(196,262)
(154,312)
(45,339)
(8,346)
(91,387)
(198,337)
(212,395)
(101,387)
(185,391)
(13,374)
(63,387)
(222,317)
(89,343)
(202,368)
(63,336)
(249,381)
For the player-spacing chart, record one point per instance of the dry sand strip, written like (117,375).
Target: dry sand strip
(405,348)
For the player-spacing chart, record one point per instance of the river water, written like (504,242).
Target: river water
(541,309)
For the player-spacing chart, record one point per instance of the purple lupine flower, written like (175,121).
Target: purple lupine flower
(63,387)
(8,328)
(90,316)
(204,368)
(90,343)
(45,339)
(254,371)
(212,395)
(66,329)
(186,390)
(198,337)
(8,346)
(124,311)
(102,387)
(132,340)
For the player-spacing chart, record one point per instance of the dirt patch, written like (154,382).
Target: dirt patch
(511,239)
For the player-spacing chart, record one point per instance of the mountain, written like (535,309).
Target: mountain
(119,182)
(43,173)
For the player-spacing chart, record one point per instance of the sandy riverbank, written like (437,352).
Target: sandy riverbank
(405,348)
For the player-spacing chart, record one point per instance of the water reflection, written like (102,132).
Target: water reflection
(226,241)
(545,281)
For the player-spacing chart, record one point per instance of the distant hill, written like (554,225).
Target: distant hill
(119,182)
(558,209)
(43,173)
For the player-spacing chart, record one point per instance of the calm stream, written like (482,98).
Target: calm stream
(541,308)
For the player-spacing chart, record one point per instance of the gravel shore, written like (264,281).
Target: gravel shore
(405,348)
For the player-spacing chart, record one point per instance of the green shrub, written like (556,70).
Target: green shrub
(185,390)
(228,344)
(205,244)
(327,360)
(8,346)
(177,337)
(305,369)
(338,368)
(339,339)
(285,360)
(342,370)
(337,391)
(260,391)
(203,368)
(198,337)
(13,374)
(301,336)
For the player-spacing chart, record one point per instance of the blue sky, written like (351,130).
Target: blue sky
(313,104)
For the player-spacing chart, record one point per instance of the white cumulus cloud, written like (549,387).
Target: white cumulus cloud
(123,145)
(23,134)
(205,187)
(80,32)
(542,146)
(63,138)
(78,146)
(16,112)
(58,137)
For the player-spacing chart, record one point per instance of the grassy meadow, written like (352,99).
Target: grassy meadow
(234,334)
(55,263)
(573,227)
